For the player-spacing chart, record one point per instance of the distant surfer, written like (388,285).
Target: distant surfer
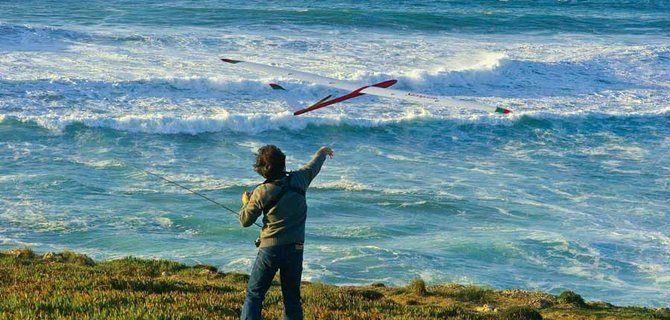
(281,201)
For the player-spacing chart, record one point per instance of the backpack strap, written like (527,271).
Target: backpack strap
(285,187)
(292,188)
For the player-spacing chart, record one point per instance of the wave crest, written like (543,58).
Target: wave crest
(219,122)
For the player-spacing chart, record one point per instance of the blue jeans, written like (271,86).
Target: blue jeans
(288,260)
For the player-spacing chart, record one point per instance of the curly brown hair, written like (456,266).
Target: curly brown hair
(270,162)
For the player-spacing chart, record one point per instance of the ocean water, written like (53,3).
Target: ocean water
(569,192)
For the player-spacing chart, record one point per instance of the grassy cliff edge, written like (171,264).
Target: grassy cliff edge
(68,285)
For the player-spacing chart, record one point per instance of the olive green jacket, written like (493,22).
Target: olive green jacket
(285,222)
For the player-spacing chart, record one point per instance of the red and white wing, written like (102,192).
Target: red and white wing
(379,89)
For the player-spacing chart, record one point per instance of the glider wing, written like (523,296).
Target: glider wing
(434,100)
(357,90)
(294,74)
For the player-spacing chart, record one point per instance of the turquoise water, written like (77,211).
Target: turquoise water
(570,192)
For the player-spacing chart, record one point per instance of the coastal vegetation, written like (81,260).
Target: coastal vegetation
(68,285)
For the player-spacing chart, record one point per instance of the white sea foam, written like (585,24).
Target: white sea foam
(240,264)
(103,163)
(224,121)
(164,222)
(259,121)
(343,184)
(151,89)
(40,216)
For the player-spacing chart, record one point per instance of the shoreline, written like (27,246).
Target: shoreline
(70,285)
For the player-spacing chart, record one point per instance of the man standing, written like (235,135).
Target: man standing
(281,200)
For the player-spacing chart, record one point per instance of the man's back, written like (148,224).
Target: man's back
(284,218)
(281,200)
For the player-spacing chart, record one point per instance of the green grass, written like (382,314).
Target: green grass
(72,286)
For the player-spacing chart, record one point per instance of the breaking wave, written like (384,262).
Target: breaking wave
(243,123)
(253,123)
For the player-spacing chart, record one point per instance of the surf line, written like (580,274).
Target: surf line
(192,191)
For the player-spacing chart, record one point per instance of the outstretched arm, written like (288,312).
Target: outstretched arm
(310,170)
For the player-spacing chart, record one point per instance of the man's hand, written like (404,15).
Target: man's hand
(327,151)
(245,197)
